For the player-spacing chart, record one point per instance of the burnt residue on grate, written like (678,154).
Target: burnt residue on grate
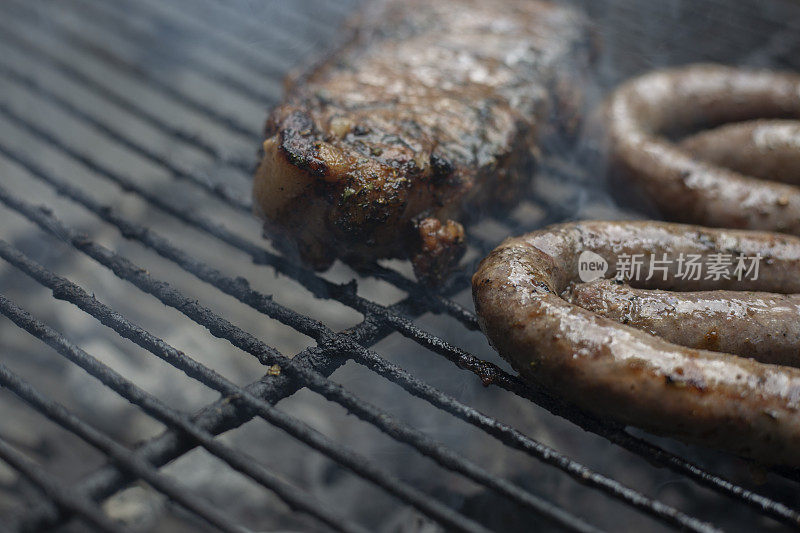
(166,400)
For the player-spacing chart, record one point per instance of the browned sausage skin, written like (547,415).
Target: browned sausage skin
(761,325)
(721,400)
(643,112)
(766,149)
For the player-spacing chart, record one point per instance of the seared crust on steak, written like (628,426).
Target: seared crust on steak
(432,111)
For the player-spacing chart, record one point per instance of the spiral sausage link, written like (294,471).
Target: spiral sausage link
(612,369)
(711,179)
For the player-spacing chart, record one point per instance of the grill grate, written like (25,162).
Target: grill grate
(312,367)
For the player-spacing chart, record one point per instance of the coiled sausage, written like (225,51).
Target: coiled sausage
(718,399)
(687,182)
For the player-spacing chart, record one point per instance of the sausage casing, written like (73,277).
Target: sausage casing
(765,149)
(721,400)
(761,325)
(643,113)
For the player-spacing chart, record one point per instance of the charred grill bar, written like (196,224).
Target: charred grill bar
(308,369)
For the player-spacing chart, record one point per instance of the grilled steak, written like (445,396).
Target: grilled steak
(431,112)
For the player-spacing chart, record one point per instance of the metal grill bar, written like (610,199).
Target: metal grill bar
(248,466)
(193,139)
(118,453)
(235,18)
(224,414)
(104,14)
(111,132)
(65,498)
(371,360)
(214,37)
(267,355)
(322,288)
(233,48)
(63,289)
(154,81)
